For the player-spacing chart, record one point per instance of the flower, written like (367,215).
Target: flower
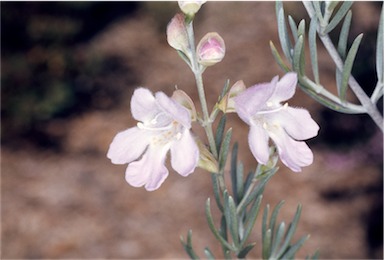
(163,125)
(190,7)
(260,107)
(211,49)
(177,35)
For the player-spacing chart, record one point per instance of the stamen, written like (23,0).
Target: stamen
(272,110)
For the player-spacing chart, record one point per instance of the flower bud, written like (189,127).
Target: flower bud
(211,49)
(227,104)
(182,98)
(190,8)
(177,34)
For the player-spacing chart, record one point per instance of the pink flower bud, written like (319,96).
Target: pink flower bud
(211,49)
(177,34)
(190,7)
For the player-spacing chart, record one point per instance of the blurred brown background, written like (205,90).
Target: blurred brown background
(68,70)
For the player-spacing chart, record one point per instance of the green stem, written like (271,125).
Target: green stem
(207,123)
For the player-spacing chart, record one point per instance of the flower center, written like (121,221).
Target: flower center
(164,129)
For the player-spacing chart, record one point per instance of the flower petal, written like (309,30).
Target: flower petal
(293,154)
(143,105)
(253,99)
(285,88)
(174,109)
(128,145)
(150,170)
(184,154)
(259,143)
(298,123)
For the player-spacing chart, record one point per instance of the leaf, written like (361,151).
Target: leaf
(298,57)
(293,27)
(380,49)
(348,65)
(231,217)
(251,218)
(344,34)
(274,215)
(220,131)
(282,30)
(209,254)
(266,245)
(216,190)
(210,221)
(290,232)
(313,49)
(246,250)
(233,171)
(317,9)
(224,150)
(188,246)
(290,254)
(277,239)
(342,46)
(338,16)
(278,58)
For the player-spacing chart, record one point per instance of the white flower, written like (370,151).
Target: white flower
(260,107)
(163,125)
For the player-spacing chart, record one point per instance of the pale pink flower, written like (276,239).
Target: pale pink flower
(260,107)
(163,125)
(211,49)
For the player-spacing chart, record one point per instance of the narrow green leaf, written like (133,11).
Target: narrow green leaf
(301,28)
(210,221)
(251,218)
(225,89)
(240,189)
(344,34)
(380,49)
(342,46)
(234,171)
(290,254)
(338,16)
(223,229)
(220,131)
(278,58)
(348,66)
(259,188)
(290,232)
(298,57)
(264,222)
(188,246)
(224,150)
(231,217)
(266,245)
(245,250)
(317,10)
(274,215)
(216,190)
(282,30)
(249,180)
(277,239)
(293,27)
(313,49)
(314,256)
(209,254)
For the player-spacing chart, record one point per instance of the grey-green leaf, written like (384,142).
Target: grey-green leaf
(338,16)
(313,49)
(348,65)
(282,30)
